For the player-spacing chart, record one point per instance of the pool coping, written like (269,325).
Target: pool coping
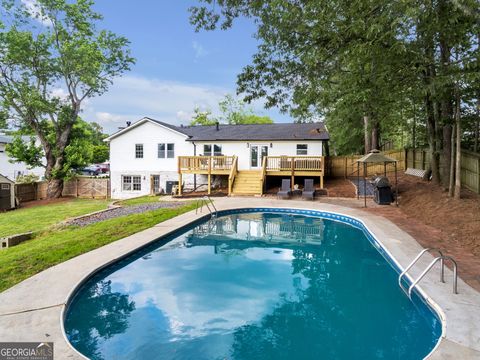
(33,310)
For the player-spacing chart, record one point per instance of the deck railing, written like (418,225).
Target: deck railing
(233,173)
(294,163)
(205,163)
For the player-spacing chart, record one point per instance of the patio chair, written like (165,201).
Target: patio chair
(286,190)
(308,190)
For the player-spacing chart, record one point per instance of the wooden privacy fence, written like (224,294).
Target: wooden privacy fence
(346,166)
(470,166)
(91,188)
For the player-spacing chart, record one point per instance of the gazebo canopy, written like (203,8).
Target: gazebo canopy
(376,156)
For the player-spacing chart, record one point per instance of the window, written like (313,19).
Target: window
(170,151)
(166,149)
(131,183)
(217,150)
(207,150)
(138,151)
(302,149)
(5,186)
(161,151)
(137,183)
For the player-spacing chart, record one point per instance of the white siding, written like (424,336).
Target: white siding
(242,149)
(13,170)
(123,161)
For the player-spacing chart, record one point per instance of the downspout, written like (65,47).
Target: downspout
(194,175)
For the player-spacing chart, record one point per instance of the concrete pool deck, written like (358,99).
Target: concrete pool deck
(33,310)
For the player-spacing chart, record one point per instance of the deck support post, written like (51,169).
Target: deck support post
(179,165)
(209,175)
(180,183)
(293,173)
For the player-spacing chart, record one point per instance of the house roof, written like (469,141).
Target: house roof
(4,179)
(142,121)
(7,139)
(251,132)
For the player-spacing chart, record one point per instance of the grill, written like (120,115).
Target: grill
(382,191)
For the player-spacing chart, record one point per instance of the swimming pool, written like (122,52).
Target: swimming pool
(253,284)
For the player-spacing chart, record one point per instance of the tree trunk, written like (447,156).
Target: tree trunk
(446,95)
(458,157)
(432,140)
(376,136)
(451,185)
(367,134)
(414,130)
(447,155)
(477,127)
(54,188)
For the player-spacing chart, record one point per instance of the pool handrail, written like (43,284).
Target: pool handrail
(442,261)
(207,201)
(414,261)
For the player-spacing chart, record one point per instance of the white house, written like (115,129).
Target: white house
(13,170)
(149,153)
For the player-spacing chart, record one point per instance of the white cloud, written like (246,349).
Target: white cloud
(34,11)
(133,97)
(199,50)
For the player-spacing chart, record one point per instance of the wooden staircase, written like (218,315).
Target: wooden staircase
(248,182)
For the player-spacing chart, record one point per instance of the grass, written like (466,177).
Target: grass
(39,218)
(140,200)
(53,247)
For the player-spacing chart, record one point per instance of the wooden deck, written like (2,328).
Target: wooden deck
(286,166)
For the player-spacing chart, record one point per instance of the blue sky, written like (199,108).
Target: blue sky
(176,70)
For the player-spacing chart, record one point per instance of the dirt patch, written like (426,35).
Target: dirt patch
(197,194)
(43,202)
(435,220)
(339,187)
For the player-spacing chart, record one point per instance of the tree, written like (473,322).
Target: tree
(52,59)
(366,65)
(86,146)
(202,117)
(235,112)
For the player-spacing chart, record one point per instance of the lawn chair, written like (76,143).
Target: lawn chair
(286,190)
(308,190)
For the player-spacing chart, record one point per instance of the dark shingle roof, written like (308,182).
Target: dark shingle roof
(4,139)
(264,132)
(8,139)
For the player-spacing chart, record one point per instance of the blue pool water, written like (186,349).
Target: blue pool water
(252,285)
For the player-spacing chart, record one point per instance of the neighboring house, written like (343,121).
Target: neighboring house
(13,170)
(149,153)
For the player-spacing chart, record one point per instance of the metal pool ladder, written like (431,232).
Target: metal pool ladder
(440,258)
(207,202)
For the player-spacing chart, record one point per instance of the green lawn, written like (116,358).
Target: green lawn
(53,247)
(140,200)
(41,217)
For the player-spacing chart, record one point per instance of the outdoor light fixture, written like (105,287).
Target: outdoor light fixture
(271,145)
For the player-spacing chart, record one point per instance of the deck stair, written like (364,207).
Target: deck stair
(248,182)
